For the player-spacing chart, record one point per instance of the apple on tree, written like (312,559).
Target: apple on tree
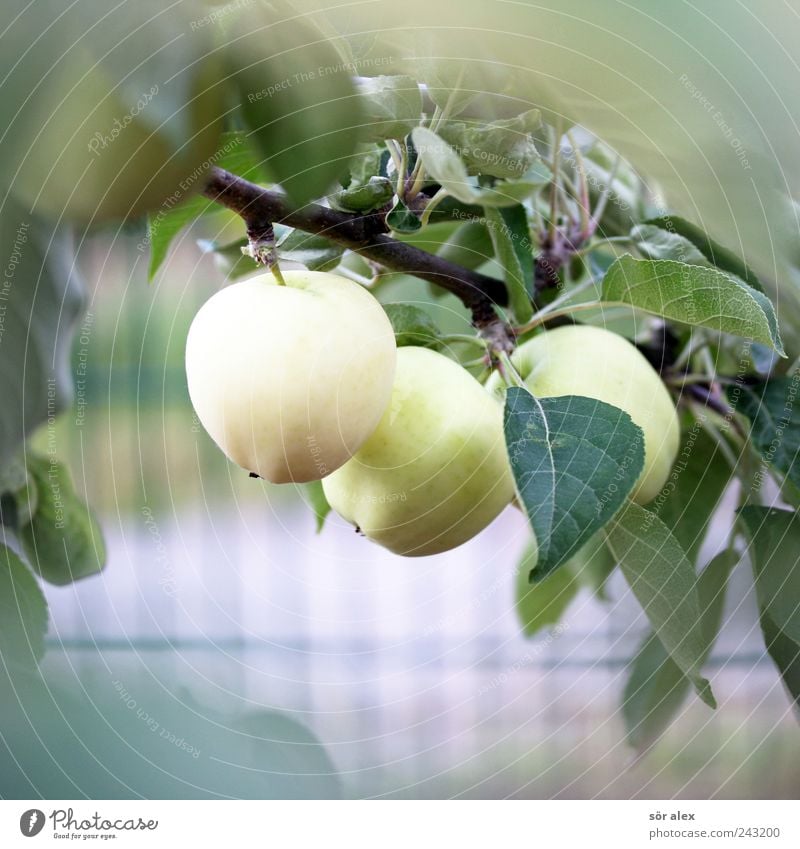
(290,380)
(596,363)
(435,471)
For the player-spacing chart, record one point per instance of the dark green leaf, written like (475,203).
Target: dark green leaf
(318,502)
(402,220)
(574,460)
(62,541)
(774,413)
(41,299)
(297,98)
(662,579)
(23,610)
(510,236)
(656,687)
(391,107)
(691,493)
(695,295)
(412,326)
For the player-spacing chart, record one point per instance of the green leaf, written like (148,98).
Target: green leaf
(23,610)
(165,225)
(444,164)
(297,98)
(318,502)
(109,109)
(315,252)
(234,154)
(574,460)
(662,579)
(543,604)
(41,300)
(656,687)
(391,107)
(714,253)
(446,167)
(373,194)
(510,236)
(594,565)
(775,550)
(18,495)
(62,541)
(693,294)
(369,160)
(503,149)
(229,258)
(402,220)
(470,246)
(774,413)
(785,654)
(412,326)
(656,243)
(698,479)
(451,85)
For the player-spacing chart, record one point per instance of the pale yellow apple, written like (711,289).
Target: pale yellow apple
(596,363)
(435,471)
(290,380)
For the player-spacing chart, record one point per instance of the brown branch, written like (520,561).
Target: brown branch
(261,208)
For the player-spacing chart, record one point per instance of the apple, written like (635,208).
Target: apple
(596,363)
(290,380)
(435,471)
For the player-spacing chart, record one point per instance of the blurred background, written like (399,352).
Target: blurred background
(413,674)
(229,650)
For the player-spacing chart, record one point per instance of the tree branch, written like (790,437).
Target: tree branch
(261,208)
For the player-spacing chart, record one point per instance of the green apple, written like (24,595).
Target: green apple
(596,363)
(290,380)
(435,471)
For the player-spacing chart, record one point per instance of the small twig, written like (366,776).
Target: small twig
(542,316)
(602,201)
(583,188)
(555,166)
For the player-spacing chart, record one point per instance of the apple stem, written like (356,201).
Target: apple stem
(276,271)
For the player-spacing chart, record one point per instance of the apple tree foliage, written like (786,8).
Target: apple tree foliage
(406,147)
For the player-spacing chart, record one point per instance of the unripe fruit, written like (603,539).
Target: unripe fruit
(596,363)
(435,471)
(290,380)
